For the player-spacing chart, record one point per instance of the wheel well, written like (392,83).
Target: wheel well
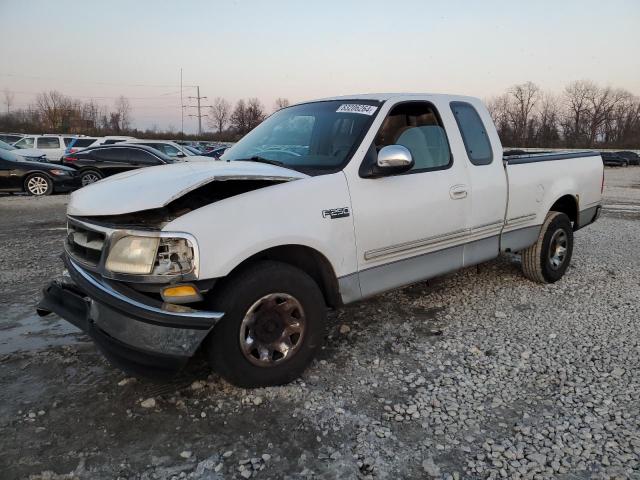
(567,205)
(310,261)
(90,169)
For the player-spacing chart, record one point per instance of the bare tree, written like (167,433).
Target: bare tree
(576,96)
(547,121)
(524,97)
(8,99)
(255,113)
(499,110)
(220,112)
(51,106)
(281,103)
(239,118)
(123,111)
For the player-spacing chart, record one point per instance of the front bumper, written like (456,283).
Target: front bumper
(137,334)
(66,184)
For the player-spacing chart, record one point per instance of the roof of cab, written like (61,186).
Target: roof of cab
(382,97)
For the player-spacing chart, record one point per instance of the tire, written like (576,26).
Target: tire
(87,177)
(262,305)
(544,261)
(38,185)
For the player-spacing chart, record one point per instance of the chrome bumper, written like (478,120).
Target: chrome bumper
(136,333)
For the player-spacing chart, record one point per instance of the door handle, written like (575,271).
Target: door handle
(458,192)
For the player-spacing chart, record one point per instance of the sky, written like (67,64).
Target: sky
(302,50)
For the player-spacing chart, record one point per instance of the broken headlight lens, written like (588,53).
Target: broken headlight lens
(135,255)
(175,257)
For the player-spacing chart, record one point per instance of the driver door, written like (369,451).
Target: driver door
(411,226)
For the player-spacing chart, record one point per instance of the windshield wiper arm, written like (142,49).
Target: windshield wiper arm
(258,159)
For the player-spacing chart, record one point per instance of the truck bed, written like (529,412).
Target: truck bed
(538,180)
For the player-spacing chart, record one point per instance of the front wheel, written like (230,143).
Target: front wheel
(547,260)
(273,324)
(38,185)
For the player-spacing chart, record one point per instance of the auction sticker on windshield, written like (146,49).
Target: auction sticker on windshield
(357,108)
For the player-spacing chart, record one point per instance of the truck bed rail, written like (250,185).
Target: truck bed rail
(546,157)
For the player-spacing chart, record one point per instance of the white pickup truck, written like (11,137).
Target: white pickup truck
(323,204)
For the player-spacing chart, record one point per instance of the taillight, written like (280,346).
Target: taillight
(70,159)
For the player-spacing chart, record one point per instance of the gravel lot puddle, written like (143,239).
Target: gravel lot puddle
(23,330)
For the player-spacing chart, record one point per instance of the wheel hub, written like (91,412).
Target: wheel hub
(268,327)
(272,330)
(558,248)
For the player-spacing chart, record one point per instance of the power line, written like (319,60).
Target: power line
(113,84)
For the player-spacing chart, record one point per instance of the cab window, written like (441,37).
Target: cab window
(48,142)
(26,142)
(416,126)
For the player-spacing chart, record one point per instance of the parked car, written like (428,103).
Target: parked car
(112,139)
(613,159)
(167,147)
(323,204)
(73,144)
(95,163)
(10,138)
(632,157)
(216,152)
(36,178)
(193,150)
(29,154)
(53,145)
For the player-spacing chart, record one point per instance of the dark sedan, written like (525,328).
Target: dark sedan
(98,162)
(35,178)
(632,157)
(613,159)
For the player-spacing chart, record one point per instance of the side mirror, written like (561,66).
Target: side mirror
(395,158)
(180,155)
(390,160)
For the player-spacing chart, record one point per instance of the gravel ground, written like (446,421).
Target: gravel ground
(480,374)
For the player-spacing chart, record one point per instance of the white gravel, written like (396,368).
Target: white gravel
(482,374)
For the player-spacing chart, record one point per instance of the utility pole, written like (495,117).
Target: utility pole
(181,108)
(199,107)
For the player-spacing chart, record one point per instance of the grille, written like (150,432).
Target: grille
(85,245)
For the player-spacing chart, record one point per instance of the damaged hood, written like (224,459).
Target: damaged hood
(154,187)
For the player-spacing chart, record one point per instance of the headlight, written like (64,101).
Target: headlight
(175,257)
(151,256)
(133,255)
(55,171)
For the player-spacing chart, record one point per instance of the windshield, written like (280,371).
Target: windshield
(317,137)
(10,156)
(6,146)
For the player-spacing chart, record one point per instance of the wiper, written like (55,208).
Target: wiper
(260,160)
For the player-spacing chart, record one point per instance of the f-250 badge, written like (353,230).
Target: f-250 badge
(336,212)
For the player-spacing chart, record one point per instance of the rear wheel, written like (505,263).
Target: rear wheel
(38,185)
(547,260)
(90,176)
(274,316)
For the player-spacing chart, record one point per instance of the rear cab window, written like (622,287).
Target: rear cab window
(474,134)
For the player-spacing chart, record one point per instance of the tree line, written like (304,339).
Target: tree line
(583,115)
(54,112)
